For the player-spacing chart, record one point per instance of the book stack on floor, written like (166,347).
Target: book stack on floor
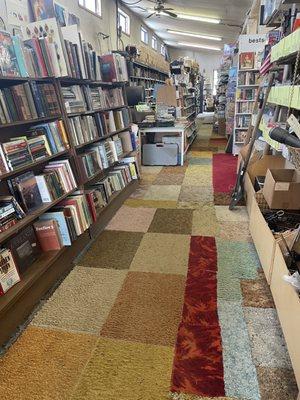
(40,142)
(28,101)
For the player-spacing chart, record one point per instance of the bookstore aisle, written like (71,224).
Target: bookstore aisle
(130,322)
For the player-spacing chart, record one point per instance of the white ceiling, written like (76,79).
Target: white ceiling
(231,12)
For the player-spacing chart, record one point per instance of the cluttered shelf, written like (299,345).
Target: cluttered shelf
(30,121)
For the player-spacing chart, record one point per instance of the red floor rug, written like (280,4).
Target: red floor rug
(224,172)
(198,362)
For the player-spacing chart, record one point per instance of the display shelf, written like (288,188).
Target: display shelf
(30,217)
(99,110)
(140,64)
(18,171)
(247,86)
(280,95)
(30,121)
(76,81)
(147,79)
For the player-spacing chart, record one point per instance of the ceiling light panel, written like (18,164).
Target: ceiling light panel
(199,46)
(199,18)
(195,35)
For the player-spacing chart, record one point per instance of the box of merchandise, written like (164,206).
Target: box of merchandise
(282,189)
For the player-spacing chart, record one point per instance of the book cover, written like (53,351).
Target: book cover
(9,275)
(48,235)
(247,60)
(8,60)
(59,217)
(29,192)
(25,248)
(42,9)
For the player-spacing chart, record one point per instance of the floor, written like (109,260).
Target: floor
(170,302)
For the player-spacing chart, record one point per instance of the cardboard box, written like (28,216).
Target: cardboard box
(287,303)
(282,189)
(249,192)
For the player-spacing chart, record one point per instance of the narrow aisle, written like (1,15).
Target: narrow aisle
(169,302)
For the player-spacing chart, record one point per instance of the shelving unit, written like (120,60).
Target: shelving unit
(19,301)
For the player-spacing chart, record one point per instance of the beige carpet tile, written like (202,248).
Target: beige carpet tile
(277,383)
(140,192)
(169,179)
(172,221)
(129,219)
(150,203)
(148,309)
(147,179)
(235,231)
(239,214)
(121,370)
(257,293)
(163,192)
(83,301)
(153,170)
(205,222)
(198,175)
(178,169)
(44,364)
(162,253)
(192,205)
(112,249)
(199,194)
(201,154)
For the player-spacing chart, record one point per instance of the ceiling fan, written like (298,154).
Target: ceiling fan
(158,9)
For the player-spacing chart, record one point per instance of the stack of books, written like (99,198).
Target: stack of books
(33,191)
(40,142)
(10,212)
(28,101)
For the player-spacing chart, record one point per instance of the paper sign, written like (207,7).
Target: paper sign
(253,43)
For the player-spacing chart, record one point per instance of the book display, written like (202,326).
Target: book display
(67,155)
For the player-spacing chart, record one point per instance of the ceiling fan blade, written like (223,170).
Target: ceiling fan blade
(168,9)
(140,8)
(151,15)
(173,15)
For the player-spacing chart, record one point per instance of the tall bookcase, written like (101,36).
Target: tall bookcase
(19,301)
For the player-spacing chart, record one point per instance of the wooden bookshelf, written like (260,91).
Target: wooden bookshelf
(99,139)
(30,122)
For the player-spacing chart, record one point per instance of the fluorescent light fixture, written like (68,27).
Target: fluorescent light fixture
(199,46)
(196,35)
(198,18)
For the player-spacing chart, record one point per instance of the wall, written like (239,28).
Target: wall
(91,24)
(208,61)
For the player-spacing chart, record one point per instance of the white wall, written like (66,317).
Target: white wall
(91,24)
(208,61)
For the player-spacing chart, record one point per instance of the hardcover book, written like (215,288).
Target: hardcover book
(9,275)
(247,60)
(8,60)
(59,217)
(25,248)
(48,235)
(28,189)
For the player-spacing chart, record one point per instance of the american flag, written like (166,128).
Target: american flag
(266,65)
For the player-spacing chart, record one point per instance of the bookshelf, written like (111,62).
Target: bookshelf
(18,302)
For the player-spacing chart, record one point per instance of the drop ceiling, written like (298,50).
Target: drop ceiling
(230,12)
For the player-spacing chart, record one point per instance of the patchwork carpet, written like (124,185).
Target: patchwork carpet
(169,303)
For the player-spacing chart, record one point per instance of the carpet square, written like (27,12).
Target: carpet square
(126,371)
(183,396)
(201,154)
(239,371)
(205,222)
(176,169)
(140,192)
(229,287)
(277,383)
(147,179)
(237,259)
(196,194)
(150,203)
(235,231)
(268,344)
(129,219)
(148,309)
(169,179)
(163,192)
(239,214)
(162,253)
(198,175)
(112,249)
(153,170)
(257,293)
(172,221)
(192,205)
(200,161)
(83,301)
(44,364)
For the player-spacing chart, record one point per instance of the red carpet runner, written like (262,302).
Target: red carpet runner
(198,362)
(224,172)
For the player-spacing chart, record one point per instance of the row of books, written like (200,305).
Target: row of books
(28,101)
(87,128)
(29,192)
(249,78)
(240,136)
(245,107)
(144,72)
(51,50)
(243,121)
(86,98)
(105,154)
(40,142)
(246,94)
(62,225)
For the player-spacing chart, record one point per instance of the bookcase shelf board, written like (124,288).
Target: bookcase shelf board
(33,165)
(30,121)
(19,301)
(80,146)
(149,67)
(4,236)
(7,80)
(76,81)
(76,114)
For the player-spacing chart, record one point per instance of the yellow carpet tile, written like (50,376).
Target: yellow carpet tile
(150,203)
(205,222)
